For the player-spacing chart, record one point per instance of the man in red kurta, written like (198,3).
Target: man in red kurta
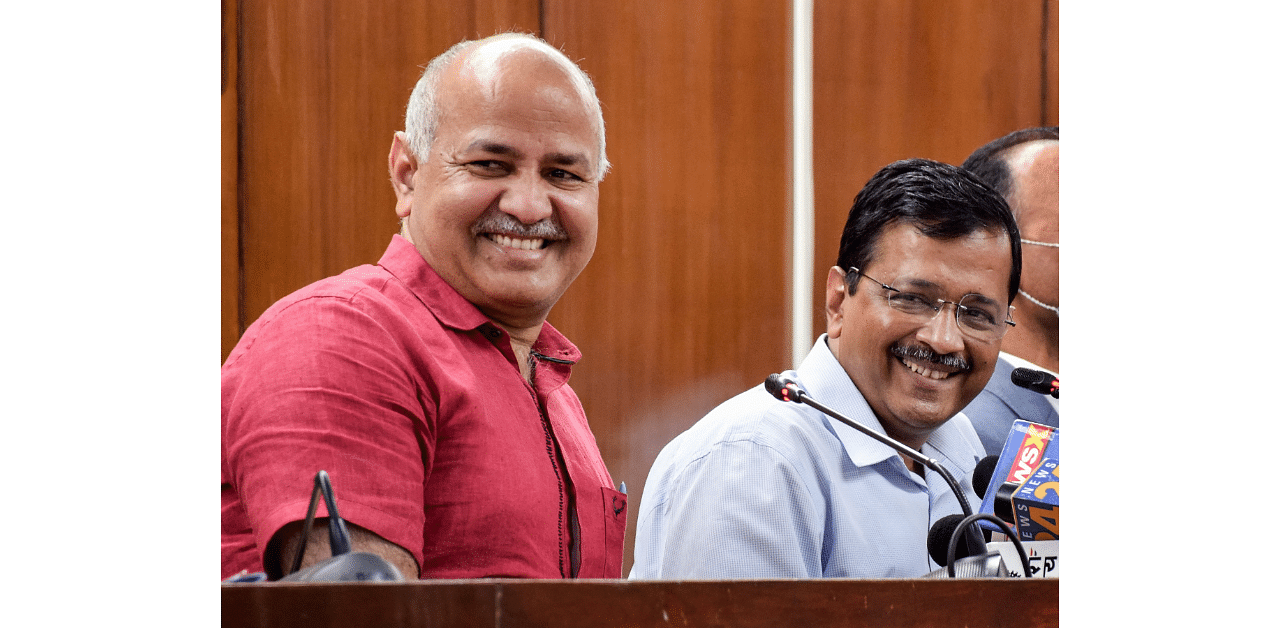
(430,386)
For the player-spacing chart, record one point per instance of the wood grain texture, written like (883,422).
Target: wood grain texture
(231,328)
(916,78)
(324,87)
(1051,64)
(685,302)
(595,603)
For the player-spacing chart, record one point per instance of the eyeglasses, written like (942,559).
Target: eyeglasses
(979,317)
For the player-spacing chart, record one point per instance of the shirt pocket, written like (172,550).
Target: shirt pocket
(615,530)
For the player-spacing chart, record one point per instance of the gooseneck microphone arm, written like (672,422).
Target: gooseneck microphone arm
(339,538)
(345,565)
(787,390)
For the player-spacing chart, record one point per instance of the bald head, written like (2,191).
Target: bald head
(1033,195)
(482,65)
(991,161)
(1023,167)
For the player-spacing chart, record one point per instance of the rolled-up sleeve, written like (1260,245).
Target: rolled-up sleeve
(319,389)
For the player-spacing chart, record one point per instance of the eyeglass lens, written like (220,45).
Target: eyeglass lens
(976,314)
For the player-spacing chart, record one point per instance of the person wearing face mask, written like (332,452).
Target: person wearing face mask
(430,386)
(1023,167)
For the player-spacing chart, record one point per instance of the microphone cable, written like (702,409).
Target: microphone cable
(959,533)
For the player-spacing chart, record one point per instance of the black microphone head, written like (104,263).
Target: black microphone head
(940,537)
(1031,379)
(773,384)
(782,388)
(982,475)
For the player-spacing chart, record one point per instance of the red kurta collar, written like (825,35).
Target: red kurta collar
(406,264)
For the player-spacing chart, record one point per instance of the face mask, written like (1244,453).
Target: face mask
(1040,303)
(1050,244)
(1031,298)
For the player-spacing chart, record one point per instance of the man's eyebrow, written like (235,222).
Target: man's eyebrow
(498,148)
(925,284)
(567,159)
(912,282)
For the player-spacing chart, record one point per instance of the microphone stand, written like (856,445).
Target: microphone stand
(787,390)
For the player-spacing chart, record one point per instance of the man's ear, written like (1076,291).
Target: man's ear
(403,165)
(836,294)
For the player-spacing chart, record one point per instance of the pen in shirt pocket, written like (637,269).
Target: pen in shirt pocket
(622,488)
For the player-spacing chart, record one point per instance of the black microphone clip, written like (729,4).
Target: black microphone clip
(344,565)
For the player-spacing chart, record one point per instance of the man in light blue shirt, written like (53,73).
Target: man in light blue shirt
(916,308)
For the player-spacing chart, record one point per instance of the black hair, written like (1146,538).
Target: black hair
(940,200)
(988,162)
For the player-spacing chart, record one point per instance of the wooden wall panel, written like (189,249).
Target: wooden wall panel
(916,78)
(323,87)
(231,328)
(685,302)
(1051,64)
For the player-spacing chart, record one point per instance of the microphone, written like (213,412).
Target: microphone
(982,474)
(989,565)
(961,564)
(1023,487)
(940,537)
(940,533)
(787,390)
(1004,493)
(344,565)
(1038,381)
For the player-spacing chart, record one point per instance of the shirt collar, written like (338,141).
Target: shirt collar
(1016,362)
(406,264)
(822,376)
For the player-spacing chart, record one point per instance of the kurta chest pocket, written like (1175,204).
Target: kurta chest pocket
(615,530)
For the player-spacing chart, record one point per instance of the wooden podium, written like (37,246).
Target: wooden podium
(1020,603)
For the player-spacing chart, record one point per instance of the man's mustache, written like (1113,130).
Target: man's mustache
(917,352)
(496,221)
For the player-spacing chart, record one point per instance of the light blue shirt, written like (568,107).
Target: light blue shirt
(761,488)
(994,410)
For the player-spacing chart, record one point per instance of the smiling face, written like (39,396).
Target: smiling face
(504,206)
(891,357)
